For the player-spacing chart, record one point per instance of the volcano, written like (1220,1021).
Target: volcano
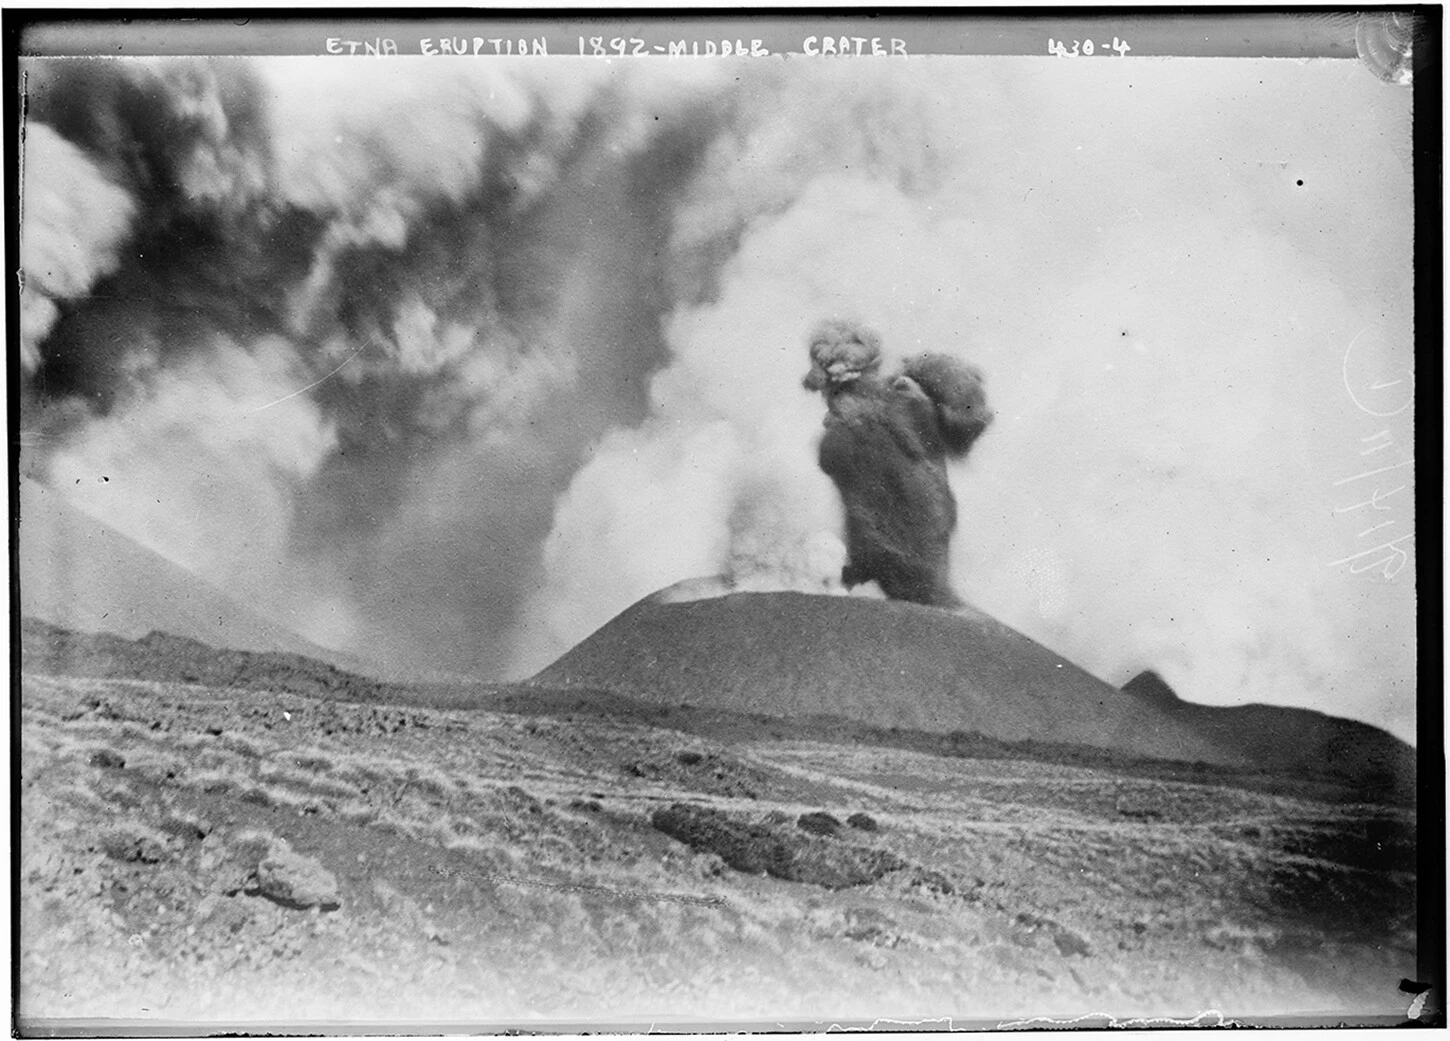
(893,664)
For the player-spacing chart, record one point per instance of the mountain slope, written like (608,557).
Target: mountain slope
(80,573)
(894,664)
(888,663)
(1299,737)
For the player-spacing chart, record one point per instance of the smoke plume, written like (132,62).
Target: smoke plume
(336,334)
(886,447)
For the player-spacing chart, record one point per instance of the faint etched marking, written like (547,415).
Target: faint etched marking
(585,887)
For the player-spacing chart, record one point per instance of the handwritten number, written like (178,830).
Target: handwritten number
(1084,47)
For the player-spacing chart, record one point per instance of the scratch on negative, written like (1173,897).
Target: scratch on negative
(324,379)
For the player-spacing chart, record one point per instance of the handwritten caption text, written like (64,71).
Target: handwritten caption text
(1375,489)
(618,47)
(1086,48)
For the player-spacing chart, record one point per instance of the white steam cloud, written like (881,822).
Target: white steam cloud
(1162,318)
(72,220)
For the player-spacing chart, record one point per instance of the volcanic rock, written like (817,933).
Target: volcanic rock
(294,880)
(818,823)
(760,848)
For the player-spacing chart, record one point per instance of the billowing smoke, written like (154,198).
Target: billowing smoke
(886,447)
(335,335)
(447,362)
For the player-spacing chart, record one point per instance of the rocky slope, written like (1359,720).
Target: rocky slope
(276,851)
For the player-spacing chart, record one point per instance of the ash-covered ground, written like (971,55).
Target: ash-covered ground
(221,837)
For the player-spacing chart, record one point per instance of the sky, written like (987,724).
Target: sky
(446,362)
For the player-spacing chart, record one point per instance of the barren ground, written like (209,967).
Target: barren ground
(230,852)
